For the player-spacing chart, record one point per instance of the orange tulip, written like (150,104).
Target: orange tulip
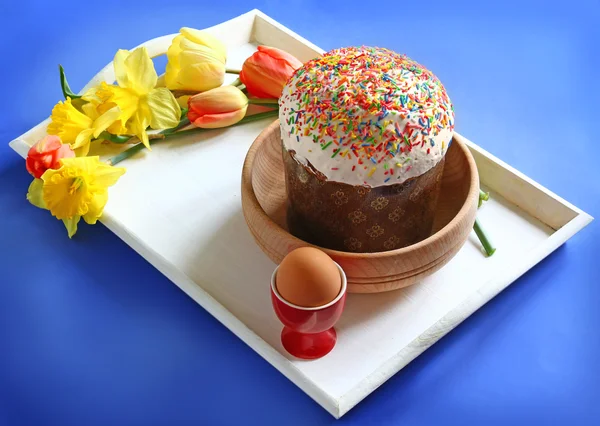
(267,70)
(220,107)
(46,154)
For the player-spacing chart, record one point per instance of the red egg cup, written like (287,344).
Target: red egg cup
(308,333)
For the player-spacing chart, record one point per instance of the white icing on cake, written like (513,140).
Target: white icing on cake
(366,116)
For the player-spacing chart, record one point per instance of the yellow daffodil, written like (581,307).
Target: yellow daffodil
(78,189)
(98,98)
(77,128)
(196,61)
(139,102)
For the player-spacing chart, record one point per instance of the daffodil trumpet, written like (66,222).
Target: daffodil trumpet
(136,148)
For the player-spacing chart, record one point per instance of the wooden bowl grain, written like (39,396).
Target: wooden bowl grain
(264,203)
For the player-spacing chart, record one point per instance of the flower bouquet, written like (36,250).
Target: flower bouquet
(140,109)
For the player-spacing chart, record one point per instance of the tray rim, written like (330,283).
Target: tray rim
(255,22)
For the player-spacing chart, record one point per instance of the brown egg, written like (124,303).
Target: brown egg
(308,277)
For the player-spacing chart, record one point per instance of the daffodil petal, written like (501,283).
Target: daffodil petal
(82,138)
(90,110)
(82,151)
(126,100)
(35,194)
(67,122)
(96,207)
(140,121)
(86,164)
(161,81)
(140,71)
(172,68)
(106,175)
(90,94)
(121,68)
(71,225)
(81,146)
(70,192)
(60,191)
(166,112)
(105,120)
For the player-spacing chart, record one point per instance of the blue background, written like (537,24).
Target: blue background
(91,334)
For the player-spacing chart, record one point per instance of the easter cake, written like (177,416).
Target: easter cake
(364,135)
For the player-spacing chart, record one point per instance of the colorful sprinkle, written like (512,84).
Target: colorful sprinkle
(355,96)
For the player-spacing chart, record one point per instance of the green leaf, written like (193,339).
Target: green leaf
(67,92)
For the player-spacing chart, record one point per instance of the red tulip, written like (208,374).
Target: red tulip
(220,107)
(46,154)
(267,70)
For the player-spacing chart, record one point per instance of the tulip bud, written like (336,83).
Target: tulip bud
(267,70)
(46,154)
(220,107)
(196,61)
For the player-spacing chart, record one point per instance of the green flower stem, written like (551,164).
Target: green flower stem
(136,148)
(119,139)
(185,121)
(265,102)
(232,71)
(483,238)
(481,234)
(179,93)
(122,139)
(483,196)
(237,82)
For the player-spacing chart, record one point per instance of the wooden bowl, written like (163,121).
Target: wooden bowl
(264,202)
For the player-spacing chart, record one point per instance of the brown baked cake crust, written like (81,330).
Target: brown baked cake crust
(360,219)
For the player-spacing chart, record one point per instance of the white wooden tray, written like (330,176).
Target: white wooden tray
(180,208)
